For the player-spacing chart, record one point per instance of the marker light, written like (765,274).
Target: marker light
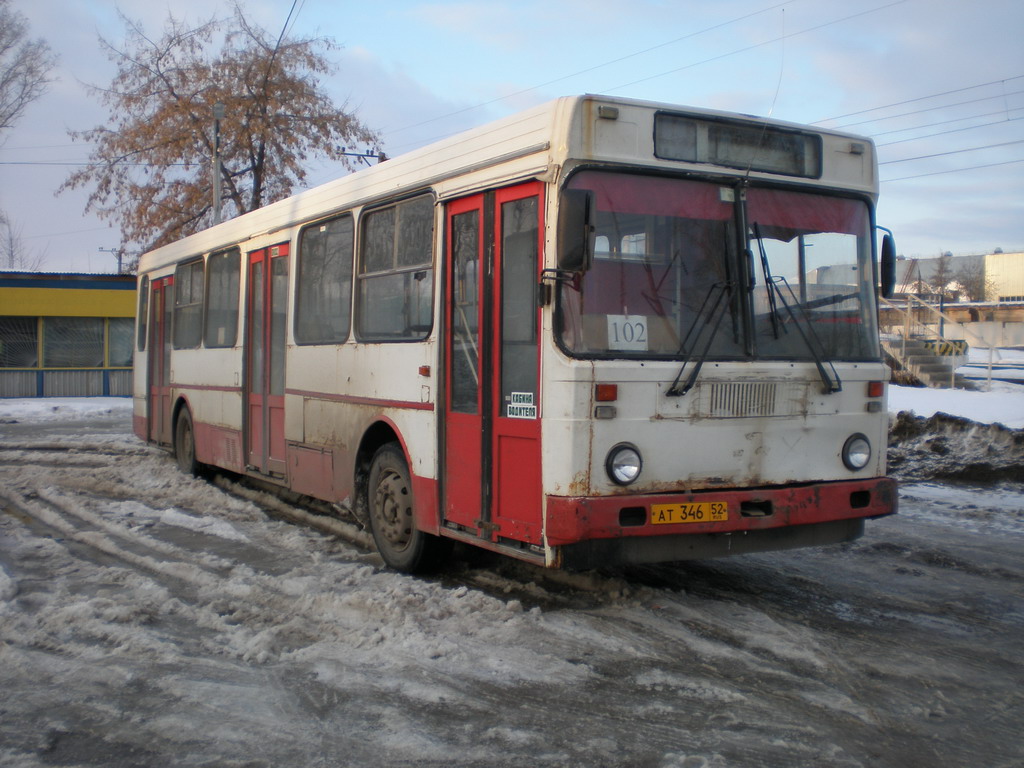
(624,464)
(856,452)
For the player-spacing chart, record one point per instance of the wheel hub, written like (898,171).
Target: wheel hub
(393,510)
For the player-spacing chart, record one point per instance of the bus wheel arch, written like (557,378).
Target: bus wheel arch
(379,434)
(385,504)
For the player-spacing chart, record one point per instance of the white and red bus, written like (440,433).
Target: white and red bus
(599,331)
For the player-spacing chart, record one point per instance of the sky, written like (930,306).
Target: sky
(938,84)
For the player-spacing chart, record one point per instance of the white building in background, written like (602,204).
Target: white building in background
(1004,273)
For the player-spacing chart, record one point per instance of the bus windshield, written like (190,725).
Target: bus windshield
(672,275)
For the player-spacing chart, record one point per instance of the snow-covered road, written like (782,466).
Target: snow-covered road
(151,619)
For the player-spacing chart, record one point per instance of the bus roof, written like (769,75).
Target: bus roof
(538,143)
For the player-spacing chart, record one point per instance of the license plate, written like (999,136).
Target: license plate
(690,512)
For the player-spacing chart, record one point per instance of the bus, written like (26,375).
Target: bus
(600,331)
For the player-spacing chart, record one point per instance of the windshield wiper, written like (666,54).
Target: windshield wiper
(768,282)
(830,380)
(718,306)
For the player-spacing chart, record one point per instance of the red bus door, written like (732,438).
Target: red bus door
(159,363)
(265,347)
(491,446)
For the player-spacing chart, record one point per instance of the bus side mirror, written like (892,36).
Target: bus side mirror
(887,266)
(576,230)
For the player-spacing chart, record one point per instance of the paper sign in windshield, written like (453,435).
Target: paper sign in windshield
(627,333)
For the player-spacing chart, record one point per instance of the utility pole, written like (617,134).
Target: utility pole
(118,254)
(218,115)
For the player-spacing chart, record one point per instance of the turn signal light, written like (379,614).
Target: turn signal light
(606,393)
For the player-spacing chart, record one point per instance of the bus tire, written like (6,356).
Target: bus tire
(392,519)
(185,444)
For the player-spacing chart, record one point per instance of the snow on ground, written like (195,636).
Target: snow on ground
(995,402)
(1009,355)
(148,618)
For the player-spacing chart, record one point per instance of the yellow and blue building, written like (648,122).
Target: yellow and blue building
(66,335)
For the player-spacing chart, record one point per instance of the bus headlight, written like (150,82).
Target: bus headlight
(623,464)
(856,452)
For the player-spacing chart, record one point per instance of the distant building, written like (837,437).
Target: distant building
(1004,273)
(66,335)
(999,275)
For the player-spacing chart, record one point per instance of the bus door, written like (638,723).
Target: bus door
(267,308)
(159,363)
(491,444)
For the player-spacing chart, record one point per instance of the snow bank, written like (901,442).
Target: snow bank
(1004,404)
(44,409)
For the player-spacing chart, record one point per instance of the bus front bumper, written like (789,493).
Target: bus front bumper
(592,531)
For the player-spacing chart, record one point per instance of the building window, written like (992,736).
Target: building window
(222,299)
(396,280)
(324,282)
(119,342)
(188,305)
(19,342)
(72,342)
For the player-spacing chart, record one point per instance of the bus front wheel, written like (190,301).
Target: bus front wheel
(392,521)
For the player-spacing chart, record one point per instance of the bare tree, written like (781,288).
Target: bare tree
(973,282)
(24,66)
(150,168)
(13,253)
(943,275)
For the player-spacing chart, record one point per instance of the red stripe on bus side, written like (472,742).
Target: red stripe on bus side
(354,400)
(204,387)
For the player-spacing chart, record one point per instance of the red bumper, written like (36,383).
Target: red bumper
(574,519)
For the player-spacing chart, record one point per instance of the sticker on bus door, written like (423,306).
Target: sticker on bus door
(521,406)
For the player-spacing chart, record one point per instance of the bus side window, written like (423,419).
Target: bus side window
(188,305)
(324,282)
(222,299)
(396,274)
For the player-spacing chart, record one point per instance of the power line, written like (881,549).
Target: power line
(98,165)
(293,15)
(585,71)
(954,170)
(919,98)
(66,234)
(952,152)
(928,109)
(760,45)
(44,146)
(946,133)
(955,120)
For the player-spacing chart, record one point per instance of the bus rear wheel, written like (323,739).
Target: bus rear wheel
(392,520)
(185,444)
